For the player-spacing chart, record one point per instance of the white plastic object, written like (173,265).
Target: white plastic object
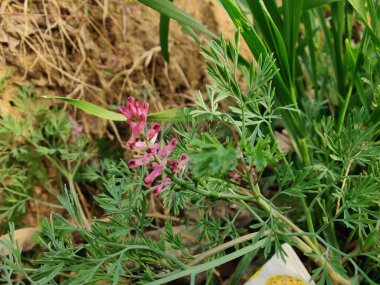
(276,271)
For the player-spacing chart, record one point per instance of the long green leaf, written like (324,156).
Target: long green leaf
(253,40)
(284,95)
(292,19)
(337,28)
(164,36)
(274,11)
(176,114)
(271,35)
(90,108)
(209,265)
(169,115)
(361,9)
(241,269)
(256,45)
(309,36)
(172,11)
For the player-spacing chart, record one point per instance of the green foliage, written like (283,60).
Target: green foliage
(163,116)
(209,158)
(309,76)
(30,138)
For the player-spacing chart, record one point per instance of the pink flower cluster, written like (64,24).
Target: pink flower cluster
(136,114)
(240,169)
(77,129)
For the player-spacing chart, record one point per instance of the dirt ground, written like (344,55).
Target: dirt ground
(84,50)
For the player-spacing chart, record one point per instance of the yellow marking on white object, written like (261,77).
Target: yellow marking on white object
(282,279)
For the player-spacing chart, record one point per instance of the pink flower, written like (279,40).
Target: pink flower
(183,159)
(176,165)
(136,162)
(167,150)
(157,190)
(76,128)
(136,114)
(77,131)
(240,167)
(153,165)
(153,148)
(234,175)
(155,173)
(152,133)
(138,127)
(134,144)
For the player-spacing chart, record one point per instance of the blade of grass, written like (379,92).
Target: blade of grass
(175,114)
(285,96)
(209,265)
(172,11)
(309,36)
(241,269)
(91,109)
(164,35)
(272,38)
(275,13)
(360,8)
(192,34)
(292,19)
(256,46)
(337,25)
(359,61)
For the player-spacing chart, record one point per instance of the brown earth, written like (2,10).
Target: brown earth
(83,50)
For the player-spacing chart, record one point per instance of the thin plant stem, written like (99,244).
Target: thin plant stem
(320,260)
(342,113)
(306,246)
(309,219)
(224,246)
(85,222)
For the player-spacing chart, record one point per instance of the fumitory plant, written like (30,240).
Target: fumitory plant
(223,155)
(29,140)
(204,186)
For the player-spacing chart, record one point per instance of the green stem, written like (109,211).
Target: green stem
(266,207)
(309,220)
(307,246)
(85,224)
(33,199)
(226,245)
(147,248)
(320,260)
(342,113)
(211,195)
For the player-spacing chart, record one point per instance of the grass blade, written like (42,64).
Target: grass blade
(272,37)
(309,36)
(360,8)
(172,11)
(337,27)
(91,109)
(292,19)
(285,94)
(209,265)
(168,115)
(164,36)
(242,267)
